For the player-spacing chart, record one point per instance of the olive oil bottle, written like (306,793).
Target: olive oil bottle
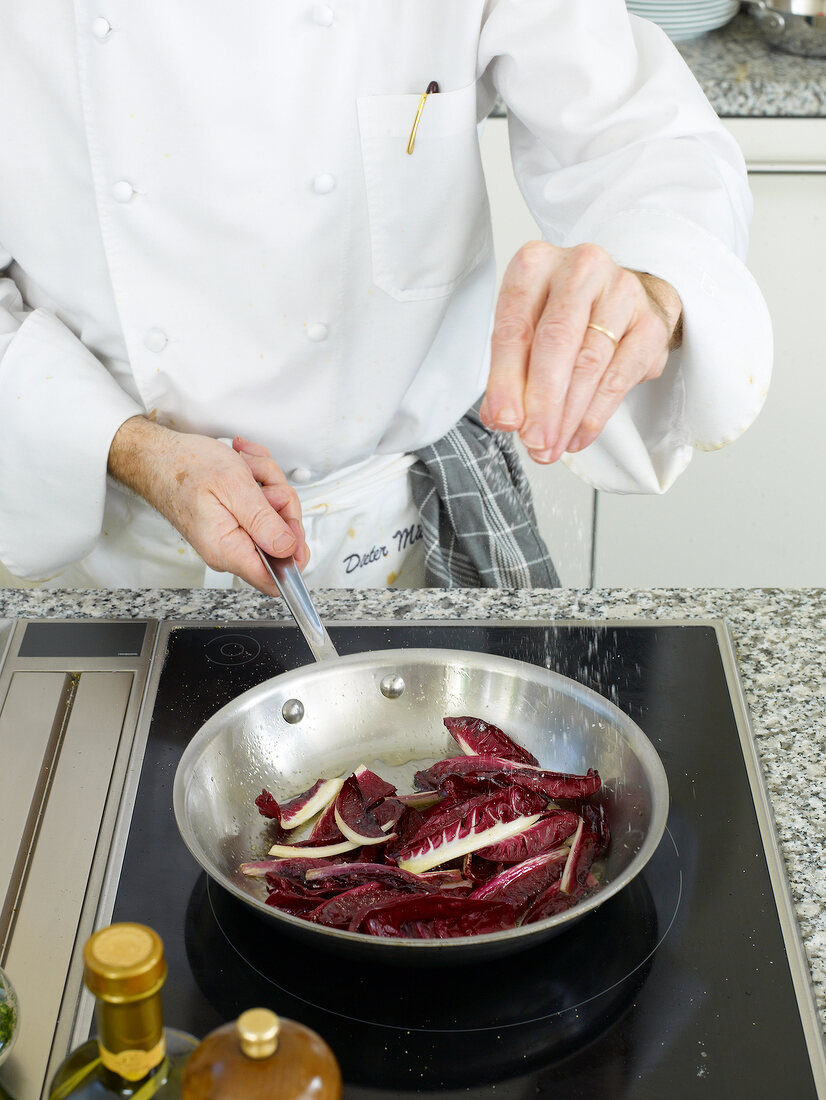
(133,1055)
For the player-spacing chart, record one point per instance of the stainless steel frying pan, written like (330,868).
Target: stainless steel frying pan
(386,709)
(794,26)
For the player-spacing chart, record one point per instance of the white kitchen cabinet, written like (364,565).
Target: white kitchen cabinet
(751,515)
(564,504)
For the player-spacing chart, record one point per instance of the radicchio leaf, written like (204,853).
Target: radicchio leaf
(580,858)
(387,813)
(520,884)
(461,788)
(356,874)
(554,900)
(550,783)
(446,878)
(353,817)
(559,784)
(372,786)
(420,800)
(302,807)
(547,833)
(432,778)
(290,896)
(481,822)
(268,807)
(594,817)
(478,738)
(287,868)
(312,851)
(347,909)
(325,830)
(503,803)
(478,870)
(307,805)
(438,917)
(548,904)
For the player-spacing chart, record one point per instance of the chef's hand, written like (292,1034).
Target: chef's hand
(552,378)
(221,500)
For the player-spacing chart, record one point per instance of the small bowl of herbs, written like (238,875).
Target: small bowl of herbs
(9,1016)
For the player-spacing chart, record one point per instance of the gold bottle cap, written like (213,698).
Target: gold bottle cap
(124,962)
(258,1032)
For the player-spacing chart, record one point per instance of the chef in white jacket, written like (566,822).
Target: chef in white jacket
(217,223)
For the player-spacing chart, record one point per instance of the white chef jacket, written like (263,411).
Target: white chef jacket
(208,215)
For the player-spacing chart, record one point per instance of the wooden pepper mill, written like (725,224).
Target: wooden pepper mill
(262,1057)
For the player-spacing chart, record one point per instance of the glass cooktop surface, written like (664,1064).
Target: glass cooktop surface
(678,986)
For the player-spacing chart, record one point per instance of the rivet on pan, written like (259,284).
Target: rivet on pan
(292,711)
(392,686)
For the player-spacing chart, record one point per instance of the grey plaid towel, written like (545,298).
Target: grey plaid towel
(478,521)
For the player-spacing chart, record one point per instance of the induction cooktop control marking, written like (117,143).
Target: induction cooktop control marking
(232,649)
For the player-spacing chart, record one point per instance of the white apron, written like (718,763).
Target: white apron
(362,528)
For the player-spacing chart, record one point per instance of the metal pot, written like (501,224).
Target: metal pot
(385,709)
(794,26)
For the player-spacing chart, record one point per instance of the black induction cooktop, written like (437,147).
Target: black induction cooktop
(679,986)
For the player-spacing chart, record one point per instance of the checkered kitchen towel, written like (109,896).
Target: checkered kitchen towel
(478,522)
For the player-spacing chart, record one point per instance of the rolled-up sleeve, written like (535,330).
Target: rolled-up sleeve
(60,409)
(614,142)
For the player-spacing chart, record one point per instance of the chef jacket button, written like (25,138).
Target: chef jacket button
(317,332)
(101,28)
(323,15)
(324,183)
(122,191)
(155,339)
(301,475)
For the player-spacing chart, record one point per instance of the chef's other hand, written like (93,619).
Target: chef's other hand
(552,378)
(221,499)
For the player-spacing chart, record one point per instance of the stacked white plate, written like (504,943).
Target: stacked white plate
(685,19)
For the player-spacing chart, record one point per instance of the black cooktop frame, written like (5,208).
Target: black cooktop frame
(633,661)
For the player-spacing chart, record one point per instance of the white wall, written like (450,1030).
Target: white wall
(751,515)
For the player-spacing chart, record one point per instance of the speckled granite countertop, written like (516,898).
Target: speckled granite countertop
(744,78)
(780,643)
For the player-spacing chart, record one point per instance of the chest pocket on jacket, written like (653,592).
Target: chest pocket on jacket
(429,213)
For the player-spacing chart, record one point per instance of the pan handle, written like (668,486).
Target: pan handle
(771,22)
(287,576)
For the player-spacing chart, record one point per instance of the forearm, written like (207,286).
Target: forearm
(138,449)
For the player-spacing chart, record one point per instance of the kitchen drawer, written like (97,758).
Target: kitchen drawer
(781,144)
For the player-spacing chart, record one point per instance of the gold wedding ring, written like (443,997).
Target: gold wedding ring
(605,332)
